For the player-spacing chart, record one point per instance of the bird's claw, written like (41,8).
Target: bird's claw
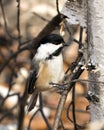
(59,86)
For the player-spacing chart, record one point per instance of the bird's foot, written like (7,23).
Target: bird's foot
(59,86)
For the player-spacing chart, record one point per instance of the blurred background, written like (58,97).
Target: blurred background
(14,67)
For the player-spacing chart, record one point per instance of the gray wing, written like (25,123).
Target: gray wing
(30,85)
(33,100)
(32,77)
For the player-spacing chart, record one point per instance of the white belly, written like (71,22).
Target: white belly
(56,69)
(51,72)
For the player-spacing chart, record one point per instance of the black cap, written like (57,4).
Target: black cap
(52,38)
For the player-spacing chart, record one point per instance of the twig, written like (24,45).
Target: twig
(73,108)
(70,34)
(59,109)
(57,6)
(73,91)
(6,26)
(75,80)
(72,121)
(85,80)
(9,95)
(21,113)
(13,56)
(28,128)
(62,124)
(68,30)
(26,42)
(42,18)
(67,112)
(18,23)
(40,109)
(42,113)
(8,112)
(80,37)
(5,58)
(45,119)
(22,104)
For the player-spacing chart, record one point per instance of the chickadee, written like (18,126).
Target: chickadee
(46,68)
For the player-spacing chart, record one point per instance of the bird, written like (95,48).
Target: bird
(46,67)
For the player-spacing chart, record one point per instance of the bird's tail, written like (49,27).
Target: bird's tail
(33,100)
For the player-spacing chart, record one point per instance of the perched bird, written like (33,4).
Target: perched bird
(46,68)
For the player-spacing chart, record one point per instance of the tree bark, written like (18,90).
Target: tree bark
(96,53)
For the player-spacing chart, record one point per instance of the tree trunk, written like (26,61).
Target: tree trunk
(96,54)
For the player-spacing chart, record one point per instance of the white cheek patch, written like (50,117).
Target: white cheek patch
(45,50)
